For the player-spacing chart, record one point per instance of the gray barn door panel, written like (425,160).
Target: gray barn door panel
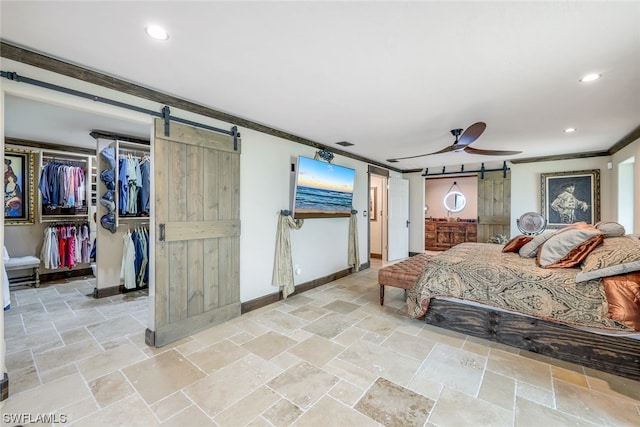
(494,205)
(197,217)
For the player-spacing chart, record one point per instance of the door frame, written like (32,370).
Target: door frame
(43,95)
(383,173)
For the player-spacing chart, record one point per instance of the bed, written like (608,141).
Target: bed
(582,313)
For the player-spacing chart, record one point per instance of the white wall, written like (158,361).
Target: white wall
(630,151)
(526,185)
(319,248)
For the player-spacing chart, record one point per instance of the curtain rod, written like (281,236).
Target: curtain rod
(165,114)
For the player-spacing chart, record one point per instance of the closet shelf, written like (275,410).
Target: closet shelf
(144,219)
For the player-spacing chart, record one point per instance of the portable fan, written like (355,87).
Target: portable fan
(531,223)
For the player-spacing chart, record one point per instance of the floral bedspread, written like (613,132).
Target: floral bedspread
(481,272)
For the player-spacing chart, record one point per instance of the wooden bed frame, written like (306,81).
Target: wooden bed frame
(613,354)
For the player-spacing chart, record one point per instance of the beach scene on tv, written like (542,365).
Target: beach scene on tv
(323,189)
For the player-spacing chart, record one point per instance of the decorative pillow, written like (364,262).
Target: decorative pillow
(610,229)
(569,246)
(516,243)
(616,255)
(623,297)
(530,250)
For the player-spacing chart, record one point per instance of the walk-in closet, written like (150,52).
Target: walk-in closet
(58,209)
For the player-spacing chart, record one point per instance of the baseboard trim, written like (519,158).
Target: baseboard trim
(61,275)
(107,292)
(4,387)
(112,290)
(263,301)
(150,337)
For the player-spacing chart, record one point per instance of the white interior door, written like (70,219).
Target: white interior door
(398,231)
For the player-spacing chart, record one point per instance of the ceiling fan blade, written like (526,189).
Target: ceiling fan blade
(472,133)
(444,150)
(453,147)
(471,150)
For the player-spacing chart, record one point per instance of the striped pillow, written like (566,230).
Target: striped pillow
(616,256)
(569,246)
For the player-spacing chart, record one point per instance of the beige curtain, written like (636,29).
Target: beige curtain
(354,253)
(283,263)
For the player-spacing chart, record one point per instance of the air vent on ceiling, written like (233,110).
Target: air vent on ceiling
(345,143)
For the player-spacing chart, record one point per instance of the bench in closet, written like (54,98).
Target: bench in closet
(23,263)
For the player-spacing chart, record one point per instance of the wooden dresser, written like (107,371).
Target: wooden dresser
(442,234)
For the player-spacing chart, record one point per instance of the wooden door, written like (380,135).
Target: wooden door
(494,205)
(197,224)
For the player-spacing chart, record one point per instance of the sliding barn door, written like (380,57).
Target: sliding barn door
(197,220)
(494,205)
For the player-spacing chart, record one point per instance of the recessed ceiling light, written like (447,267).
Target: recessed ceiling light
(590,77)
(157,32)
(569,130)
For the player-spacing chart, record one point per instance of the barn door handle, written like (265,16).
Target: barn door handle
(162,236)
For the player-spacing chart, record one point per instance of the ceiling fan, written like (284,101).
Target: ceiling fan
(462,142)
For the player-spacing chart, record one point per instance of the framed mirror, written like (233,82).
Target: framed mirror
(454,201)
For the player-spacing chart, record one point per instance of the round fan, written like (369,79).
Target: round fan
(531,223)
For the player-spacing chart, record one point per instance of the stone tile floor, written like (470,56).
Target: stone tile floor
(331,356)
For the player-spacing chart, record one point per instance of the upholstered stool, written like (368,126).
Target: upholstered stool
(24,263)
(402,274)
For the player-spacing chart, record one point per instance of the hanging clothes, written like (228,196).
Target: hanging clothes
(141,243)
(84,236)
(65,246)
(49,254)
(135,259)
(123,184)
(127,270)
(145,192)
(134,185)
(62,185)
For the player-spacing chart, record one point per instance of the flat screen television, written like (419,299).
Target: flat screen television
(322,190)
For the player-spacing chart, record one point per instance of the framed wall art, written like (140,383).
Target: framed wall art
(19,186)
(569,197)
